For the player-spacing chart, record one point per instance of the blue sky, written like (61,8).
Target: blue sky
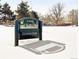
(43,6)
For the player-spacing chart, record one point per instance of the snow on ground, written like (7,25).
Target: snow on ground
(66,35)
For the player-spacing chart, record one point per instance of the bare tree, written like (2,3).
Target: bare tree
(73,17)
(57,12)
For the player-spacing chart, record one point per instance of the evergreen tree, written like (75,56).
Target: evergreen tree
(8,14)
(0,13)
(22,10)
(34,15)
(6,9)
(0,8)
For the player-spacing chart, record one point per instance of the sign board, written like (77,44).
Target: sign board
(26,28)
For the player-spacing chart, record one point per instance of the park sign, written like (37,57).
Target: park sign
(28,24)
(27,28)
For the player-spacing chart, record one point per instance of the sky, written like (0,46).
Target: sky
(43,6)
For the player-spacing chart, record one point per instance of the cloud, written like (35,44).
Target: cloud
(24,0)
